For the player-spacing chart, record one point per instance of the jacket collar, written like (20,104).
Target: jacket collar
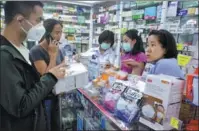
(6,45)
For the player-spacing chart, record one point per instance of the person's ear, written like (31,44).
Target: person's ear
(133,42)
(165,51)
(19,18)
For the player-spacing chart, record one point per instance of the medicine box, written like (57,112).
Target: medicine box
(77,77)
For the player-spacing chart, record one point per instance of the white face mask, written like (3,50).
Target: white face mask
(36,32)
(159,115)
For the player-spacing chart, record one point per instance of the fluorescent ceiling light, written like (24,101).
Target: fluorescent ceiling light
(91,2)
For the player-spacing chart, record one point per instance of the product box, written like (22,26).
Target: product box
(150,13)
(76,77)
(172,9)
(162,100)
(192,88)
(137,14)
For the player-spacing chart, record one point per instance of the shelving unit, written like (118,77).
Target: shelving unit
(75,19)
(2,25)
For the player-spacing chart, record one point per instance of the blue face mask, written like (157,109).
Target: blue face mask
(126,47)
(105,46)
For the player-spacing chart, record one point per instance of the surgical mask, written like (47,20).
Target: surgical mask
(148,111)
(105,46)
(126,47)
(36,32)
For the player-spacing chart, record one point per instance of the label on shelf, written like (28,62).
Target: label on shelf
(183,60)
(175,123)
(180,46)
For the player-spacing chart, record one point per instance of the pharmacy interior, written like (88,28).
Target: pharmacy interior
(110,86)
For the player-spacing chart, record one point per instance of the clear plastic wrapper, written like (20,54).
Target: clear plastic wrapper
(113,95)
(128,105)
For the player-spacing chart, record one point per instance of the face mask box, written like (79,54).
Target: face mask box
(77,77)
(163,95)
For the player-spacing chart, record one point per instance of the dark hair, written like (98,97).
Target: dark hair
(167,41)
(138,47)
(106,36)
(49,25)
(12,8)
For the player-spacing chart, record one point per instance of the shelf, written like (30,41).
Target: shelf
(118,123)
(137,7)
(176,17)
(76,33)
(72,22)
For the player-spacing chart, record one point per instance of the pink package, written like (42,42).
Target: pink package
(113,95)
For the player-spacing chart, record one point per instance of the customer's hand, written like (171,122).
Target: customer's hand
(53,48)
(130,62)
(107,66)
(59,71)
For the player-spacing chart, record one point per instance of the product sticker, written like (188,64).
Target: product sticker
(175,123)
(180,46)
(183,60)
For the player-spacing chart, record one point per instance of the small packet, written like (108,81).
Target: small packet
(113,95)
(128,105)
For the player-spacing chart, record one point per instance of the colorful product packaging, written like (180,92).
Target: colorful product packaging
(128,105)
(113,95)
(162,100)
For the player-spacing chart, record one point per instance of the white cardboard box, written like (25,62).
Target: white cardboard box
(163,95)
(77,78)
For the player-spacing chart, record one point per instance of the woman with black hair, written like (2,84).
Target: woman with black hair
(162,52)
(47,55)
(134,58)
(105,52)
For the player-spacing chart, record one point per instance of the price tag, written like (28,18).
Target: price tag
(180,46)
(174,123)
(183,60)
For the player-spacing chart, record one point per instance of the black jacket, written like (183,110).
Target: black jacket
(22,92)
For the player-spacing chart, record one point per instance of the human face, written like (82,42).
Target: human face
(57,32)
(105,45)
(35,17)
(126,39)
(154,50)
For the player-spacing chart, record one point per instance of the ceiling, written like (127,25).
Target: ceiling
(85,3)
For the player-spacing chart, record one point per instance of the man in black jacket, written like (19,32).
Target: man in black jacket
(22,89)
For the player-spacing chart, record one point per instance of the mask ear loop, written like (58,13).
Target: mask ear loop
(18,19)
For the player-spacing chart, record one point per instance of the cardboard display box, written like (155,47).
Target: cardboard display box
(163,95)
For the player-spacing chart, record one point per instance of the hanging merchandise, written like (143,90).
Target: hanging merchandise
(127,107)
(150,13)
(157,109)
(113,95)
(94,68)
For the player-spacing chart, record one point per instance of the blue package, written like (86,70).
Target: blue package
(128,105)
(183,12)
(79,123)
(150,13)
